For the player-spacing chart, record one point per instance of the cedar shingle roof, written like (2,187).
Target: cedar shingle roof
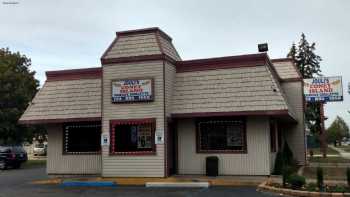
(68,100)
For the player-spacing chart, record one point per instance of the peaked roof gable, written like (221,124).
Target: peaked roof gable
(141,43)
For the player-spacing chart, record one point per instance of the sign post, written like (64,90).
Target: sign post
(322,90)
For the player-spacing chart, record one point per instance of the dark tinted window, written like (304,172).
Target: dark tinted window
(82,137)
(221,135)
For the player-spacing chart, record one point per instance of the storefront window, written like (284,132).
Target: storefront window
(133,136)
(221,136)
(82,138)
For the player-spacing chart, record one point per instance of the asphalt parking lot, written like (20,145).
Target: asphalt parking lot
(14,183)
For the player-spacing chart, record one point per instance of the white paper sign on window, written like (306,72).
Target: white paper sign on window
(234,136)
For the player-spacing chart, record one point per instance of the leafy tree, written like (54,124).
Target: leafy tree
(308,64)
(337,131)
(17,88)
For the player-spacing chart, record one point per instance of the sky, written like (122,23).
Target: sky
(70,34)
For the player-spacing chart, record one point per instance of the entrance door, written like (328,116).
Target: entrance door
(172,149)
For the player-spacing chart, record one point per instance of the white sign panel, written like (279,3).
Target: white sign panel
(323,89)
(159,138)
(105,139)
(132,90)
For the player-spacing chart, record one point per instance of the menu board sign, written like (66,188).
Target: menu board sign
(132,90)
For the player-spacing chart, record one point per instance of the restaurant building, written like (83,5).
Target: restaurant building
(147,113)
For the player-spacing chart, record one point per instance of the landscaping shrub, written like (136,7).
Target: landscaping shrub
(285,159)
(284,177)
(348,175)
(296,181)
(278,163)
(319,173)
(337,188)
(287,154)
(311,187)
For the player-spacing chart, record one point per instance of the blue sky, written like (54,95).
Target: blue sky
(74,34)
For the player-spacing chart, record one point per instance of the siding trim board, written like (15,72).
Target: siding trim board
(74,74)
(144,31)
(63,120)
(140,58)
(241,113)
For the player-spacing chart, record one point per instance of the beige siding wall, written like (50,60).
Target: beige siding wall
(57,163)
(294,134)
(170,80)
(133,166)
(255,162)
(222,90)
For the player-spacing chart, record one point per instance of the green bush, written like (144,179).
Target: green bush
(338,189)
(287,154)
(278,164)
(285,159)
(319,173)
(348,175)
(296,181)
(311,187)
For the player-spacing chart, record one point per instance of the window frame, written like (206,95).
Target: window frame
(244,122)
(113,146)
(64,151)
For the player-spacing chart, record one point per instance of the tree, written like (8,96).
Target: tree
(337,131)
(308,64)
(17,88)
(305,58)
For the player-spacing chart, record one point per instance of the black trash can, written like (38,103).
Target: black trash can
(212,166)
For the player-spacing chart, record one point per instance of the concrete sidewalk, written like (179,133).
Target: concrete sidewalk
(344,154)
(213,181)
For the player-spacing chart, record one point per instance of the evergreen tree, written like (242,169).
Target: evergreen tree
(308,64)
(305,58)
(17,88)
(292,52)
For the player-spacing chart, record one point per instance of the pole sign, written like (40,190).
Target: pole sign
(132,90)
(323,89)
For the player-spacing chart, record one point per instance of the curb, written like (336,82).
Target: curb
(148,181)
(176,185)
(281,191)
(88,184)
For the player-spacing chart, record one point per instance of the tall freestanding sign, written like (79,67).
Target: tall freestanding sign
(322,90)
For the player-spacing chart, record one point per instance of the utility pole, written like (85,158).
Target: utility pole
(322,137)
